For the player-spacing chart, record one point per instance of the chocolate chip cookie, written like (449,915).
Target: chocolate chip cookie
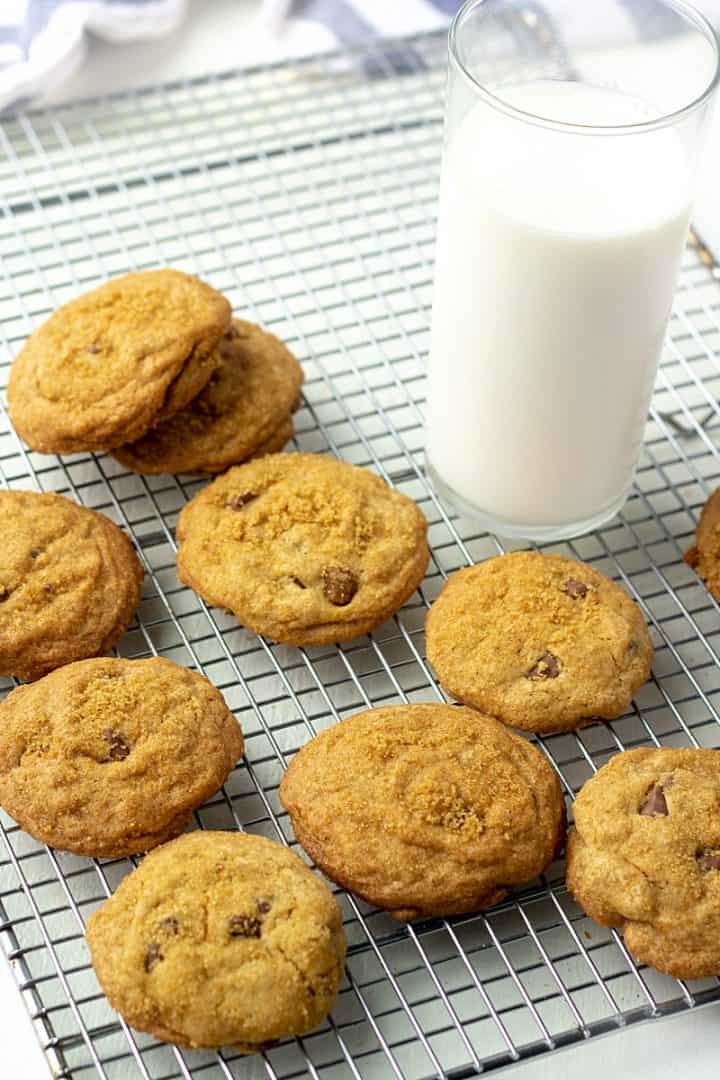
(704,556)
(105,367)
(645,856)
(69,583)
(110,757)
(303,548)
(425,810)
(541,642)
(217,939)
(247,399)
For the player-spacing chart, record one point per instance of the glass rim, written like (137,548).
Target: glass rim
(687,10)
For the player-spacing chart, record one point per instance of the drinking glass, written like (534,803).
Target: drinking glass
(572,135)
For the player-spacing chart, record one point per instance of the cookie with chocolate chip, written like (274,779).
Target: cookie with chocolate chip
(110,757)
(303,548)
(425,810)
(111,363)
(217,939)
(704,556)
(247,401)
(541,642)
(644,856)
(69,583)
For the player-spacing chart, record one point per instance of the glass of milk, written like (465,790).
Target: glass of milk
(571,142)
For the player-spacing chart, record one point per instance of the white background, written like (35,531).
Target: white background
(217,35)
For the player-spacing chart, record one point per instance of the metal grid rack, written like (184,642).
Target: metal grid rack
(306,193)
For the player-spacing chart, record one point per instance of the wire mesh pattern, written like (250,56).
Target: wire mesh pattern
(306,193)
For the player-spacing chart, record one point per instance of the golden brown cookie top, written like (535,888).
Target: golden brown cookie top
(109,757)
(69,583)
(541,642)
(107,365)
(302,547)
(424,809)
(645,855)
(704,556)
(218,939)
(247,398)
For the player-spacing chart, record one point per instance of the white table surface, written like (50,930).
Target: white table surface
(217,35)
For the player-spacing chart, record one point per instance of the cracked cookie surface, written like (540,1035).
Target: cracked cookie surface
(303,548)
(217,939)
(110,757)
(248,398)
(425,810)
(645,856)
(109,364)
(69,583)
(541,642)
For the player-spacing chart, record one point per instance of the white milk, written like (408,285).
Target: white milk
(556,262)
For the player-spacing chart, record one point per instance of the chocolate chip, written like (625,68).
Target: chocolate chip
(34,552)
(238,501)
(244,926)
(169,923)
(547,667)
(153,956)
(654,804)
(708,860)
(4,594)
(339,585)
(93,349)
(263,906)
(575,589)
(49,588)
(119,749)
(300,584)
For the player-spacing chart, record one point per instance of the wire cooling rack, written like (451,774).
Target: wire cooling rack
(307,194)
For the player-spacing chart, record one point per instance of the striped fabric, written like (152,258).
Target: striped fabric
(355,22)
(43,42)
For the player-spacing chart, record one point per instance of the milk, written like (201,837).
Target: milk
(556,263)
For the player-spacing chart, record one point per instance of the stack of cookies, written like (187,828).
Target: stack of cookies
(152,367)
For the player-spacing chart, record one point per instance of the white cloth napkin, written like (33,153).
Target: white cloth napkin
(43,42)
